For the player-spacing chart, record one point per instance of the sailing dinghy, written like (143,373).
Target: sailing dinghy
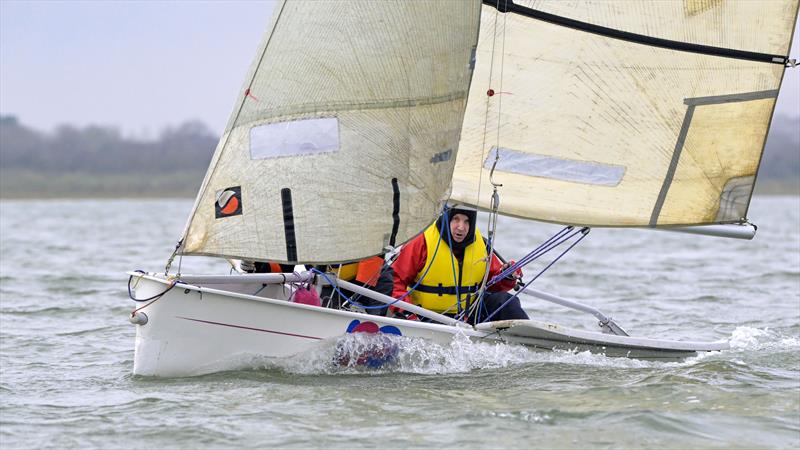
(358,120)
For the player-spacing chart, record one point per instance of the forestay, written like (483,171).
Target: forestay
(343,137)
(620,113)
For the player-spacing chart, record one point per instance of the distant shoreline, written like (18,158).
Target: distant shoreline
(771,190)
(24,185)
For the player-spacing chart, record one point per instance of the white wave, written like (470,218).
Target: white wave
(364,353)
(748,338)
(382,353)
(420,356)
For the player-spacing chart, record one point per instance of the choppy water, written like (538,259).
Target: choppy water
(66,349)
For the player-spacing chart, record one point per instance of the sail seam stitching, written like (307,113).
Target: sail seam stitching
(331,107)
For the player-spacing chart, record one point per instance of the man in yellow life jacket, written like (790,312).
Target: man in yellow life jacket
(451,255)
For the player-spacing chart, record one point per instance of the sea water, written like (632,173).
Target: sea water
(66,348)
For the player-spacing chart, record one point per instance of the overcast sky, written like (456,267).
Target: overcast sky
(145,65)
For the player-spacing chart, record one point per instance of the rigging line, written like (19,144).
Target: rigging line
(638,38)
(172,257)
(338,274)
(495,200)
(536,254)
(584,231)
(489,95)
(527,259)
(554,237)
(263,285)
(490,247)
(150,300)
(499,101)
(551,243)
(373,279)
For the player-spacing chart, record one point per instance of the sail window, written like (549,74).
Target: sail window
(296,137)
(534,165)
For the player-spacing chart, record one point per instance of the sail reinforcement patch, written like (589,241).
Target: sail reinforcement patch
(534,165)
(288,225)
(296,137)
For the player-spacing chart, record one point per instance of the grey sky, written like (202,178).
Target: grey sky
(145,65)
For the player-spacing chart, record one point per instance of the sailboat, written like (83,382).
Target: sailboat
(359,120)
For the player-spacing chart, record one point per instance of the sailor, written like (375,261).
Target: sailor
(461,255)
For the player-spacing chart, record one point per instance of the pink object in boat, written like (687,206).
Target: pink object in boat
(306,297)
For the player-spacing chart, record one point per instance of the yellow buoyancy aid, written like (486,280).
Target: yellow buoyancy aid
(366,271)
(346,272)
(437,290)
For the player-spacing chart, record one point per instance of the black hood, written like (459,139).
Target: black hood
(458,247)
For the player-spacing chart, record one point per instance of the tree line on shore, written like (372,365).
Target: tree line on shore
(100,161)
(103,150)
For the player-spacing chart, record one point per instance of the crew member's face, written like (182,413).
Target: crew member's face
(459,227)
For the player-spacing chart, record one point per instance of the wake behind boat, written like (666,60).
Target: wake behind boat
(359,120)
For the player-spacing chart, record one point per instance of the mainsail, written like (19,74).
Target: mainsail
(343,137)
(620,113)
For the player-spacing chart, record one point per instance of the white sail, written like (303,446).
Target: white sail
(343,138)
(621,113)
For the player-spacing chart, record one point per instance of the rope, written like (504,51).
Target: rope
(373,279)
(500,99)
(551,243)
(554,241)
(152,299)
(338,274)
(492,230)
(495,199)
(172,258)
(489,94)
(584,232)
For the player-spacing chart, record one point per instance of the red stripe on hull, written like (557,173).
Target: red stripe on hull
(249,328)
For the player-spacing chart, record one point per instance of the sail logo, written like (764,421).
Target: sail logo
(442,156)
(228,202)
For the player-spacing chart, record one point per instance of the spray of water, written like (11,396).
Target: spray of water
(757,339)
(365,353)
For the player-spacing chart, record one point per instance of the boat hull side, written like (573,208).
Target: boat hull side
(191,328)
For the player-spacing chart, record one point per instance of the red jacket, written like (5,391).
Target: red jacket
(411,261)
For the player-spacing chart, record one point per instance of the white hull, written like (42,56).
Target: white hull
(190,328)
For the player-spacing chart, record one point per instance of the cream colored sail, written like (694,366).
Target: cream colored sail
(622,113)
(344,134)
